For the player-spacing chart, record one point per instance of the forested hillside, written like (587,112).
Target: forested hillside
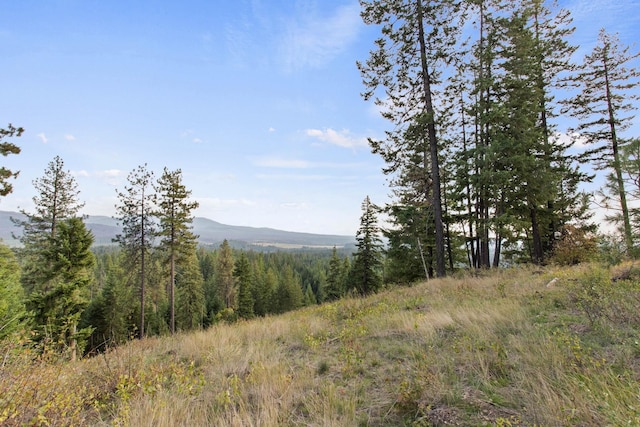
(209,232)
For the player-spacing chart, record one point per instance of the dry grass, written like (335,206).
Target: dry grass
(498,349)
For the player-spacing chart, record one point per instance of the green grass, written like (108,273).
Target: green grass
(501,348)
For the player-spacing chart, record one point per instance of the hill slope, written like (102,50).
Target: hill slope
(210,232)
(509,349)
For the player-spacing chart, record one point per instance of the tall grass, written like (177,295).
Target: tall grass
(497,349)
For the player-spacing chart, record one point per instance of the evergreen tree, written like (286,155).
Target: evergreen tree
(7,148)
(417,38)
(57,311)
(112,312)
(12,310)
(191,301)
(262,292)
(175,219)
(271,287)
(334,288)
(225,281)
(213,302)
(244,278)
(608,81)
(289,293)
(56,201)
(309,297)
(134,212)
(367,265)
(409,256)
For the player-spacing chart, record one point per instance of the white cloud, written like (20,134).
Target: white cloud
(342,138)
(272,129)
(311,41)
(80,173)
(197,140)
(43,137)
(111,176)
(69,137)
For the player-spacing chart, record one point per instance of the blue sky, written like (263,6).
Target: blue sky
(257,101)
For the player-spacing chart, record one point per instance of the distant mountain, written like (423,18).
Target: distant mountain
(210,232)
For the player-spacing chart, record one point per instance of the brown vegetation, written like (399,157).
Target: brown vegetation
(501,349)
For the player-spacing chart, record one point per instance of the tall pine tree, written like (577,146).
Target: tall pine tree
(134,212)
(175,227)
(417,38)
(608,83)
(56,201)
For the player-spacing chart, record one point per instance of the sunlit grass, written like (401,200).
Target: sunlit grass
(504,348)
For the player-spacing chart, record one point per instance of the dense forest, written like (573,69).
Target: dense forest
(496,127)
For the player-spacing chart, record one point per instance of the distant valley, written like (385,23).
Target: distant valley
(211,233)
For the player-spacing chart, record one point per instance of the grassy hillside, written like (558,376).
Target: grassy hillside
(513,348)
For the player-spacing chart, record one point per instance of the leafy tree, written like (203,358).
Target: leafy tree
(7,148)
(243,276)
(607,80)
(367,265)
(191,300)
(175,225)
(134,212)
(55,202)
(12,310)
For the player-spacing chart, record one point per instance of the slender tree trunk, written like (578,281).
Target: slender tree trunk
(538,253)
(73,345)
(172,286)
(628,234)
(142,268)
(433,148)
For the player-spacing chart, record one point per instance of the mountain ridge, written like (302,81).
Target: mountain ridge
(209,232)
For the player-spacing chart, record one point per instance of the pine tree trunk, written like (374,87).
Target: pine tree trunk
(433,149)
(628,234)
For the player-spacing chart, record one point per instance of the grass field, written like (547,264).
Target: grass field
(516,347)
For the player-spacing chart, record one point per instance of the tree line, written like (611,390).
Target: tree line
(75,298)
(476,91)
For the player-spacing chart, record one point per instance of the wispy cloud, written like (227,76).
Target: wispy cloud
(341,138)
(43,137)
(69,137)
(111,176)
(311,41)
(80,173)
(294,177)
(190,134)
